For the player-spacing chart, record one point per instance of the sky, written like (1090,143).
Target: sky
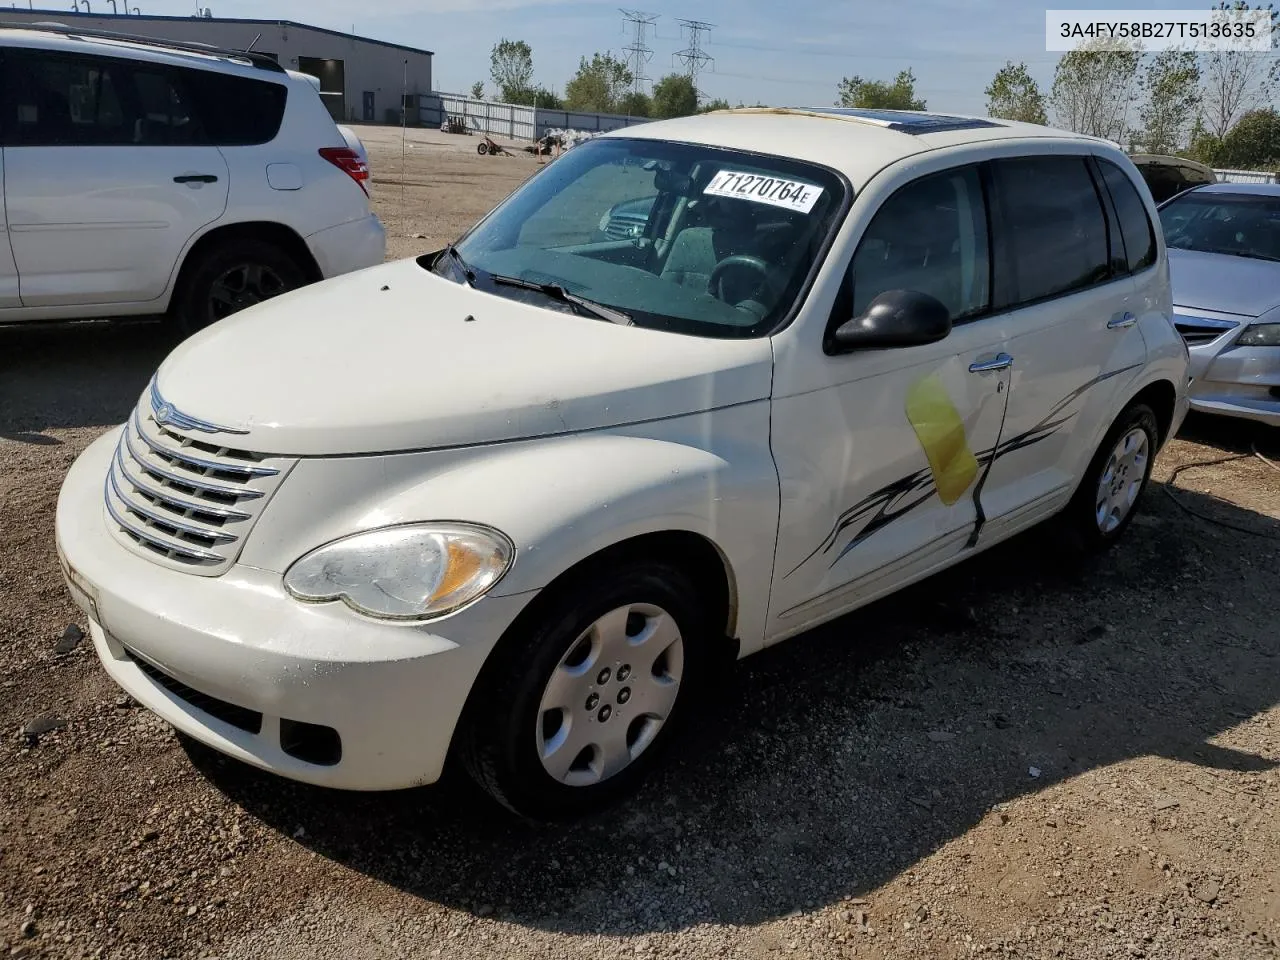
(765,51)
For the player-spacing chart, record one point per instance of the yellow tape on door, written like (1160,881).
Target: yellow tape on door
(940,431)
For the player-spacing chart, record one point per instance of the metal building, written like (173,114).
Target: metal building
(361,80)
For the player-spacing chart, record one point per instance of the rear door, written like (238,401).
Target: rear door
(1071,326)
(8,270)
(108,173)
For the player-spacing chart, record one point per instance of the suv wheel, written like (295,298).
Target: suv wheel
(571,713)
(233,276)
(1117,476)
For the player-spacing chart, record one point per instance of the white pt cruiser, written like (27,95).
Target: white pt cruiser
(675,400)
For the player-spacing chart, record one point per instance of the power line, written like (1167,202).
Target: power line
(639,53)
(693,57)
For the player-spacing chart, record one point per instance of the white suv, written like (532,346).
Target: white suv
(144,176)
(520,499)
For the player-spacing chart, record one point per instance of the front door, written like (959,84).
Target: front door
(106,177)
(882,468)
(370,109)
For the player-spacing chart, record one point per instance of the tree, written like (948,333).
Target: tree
(1014,95)
(636,104)
(598,85)
(1092,90)
(716,104)
(1204,146)
(511,68)
(674,96)
(1253,143)
(1172,86)
(547,99)
(879,94)
(1235,81)
(477,90)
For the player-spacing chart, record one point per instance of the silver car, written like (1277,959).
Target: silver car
(1224,260)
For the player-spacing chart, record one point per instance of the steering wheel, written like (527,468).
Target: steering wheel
(738,261)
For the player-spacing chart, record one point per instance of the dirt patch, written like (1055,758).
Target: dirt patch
(1100,780)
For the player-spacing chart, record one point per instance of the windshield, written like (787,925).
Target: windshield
(680,237)
(1241,224)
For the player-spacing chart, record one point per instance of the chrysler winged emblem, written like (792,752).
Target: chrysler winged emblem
(167,415)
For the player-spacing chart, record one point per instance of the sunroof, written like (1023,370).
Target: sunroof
(908,122)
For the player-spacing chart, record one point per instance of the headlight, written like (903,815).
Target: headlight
(1260,335)
(412,572)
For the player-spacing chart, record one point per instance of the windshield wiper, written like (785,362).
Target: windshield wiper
(467,273)
(557,292)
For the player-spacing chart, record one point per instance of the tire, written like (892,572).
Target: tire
(506,730)
(200,303)
(481,149)
(1083,520)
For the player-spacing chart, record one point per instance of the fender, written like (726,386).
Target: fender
(561,500)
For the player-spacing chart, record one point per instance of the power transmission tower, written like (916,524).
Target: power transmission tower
(693,57)
(638,53)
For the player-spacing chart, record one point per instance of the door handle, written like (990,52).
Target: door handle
(1125,319)
(1001,361)
(196,178)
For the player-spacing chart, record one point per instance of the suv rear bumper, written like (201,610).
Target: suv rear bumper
(349,246)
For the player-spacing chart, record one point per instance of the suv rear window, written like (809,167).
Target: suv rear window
(56,99)
(236,111)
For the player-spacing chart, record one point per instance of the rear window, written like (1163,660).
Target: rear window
(236,111)
(1055,228)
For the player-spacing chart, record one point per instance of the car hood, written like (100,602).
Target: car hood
(397,358)
(1224,284)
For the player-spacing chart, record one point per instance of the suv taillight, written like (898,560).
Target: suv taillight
(349,162)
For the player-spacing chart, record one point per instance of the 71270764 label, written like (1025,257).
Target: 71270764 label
(775,191)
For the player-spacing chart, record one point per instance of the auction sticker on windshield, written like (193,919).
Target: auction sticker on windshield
(775,191)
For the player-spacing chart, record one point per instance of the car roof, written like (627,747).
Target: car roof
(859,143)
(59,37)
(1256,189)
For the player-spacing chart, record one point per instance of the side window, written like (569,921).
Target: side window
(929,237)
(1135,225)
(165,115)
(235,111)
(64,101)
(1054,229)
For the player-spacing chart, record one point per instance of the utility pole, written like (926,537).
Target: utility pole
(639,53)
(693,58)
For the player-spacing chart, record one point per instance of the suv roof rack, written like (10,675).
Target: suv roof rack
(260,60)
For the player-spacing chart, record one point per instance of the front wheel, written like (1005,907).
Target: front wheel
(482,148)
(571,713)
(1117,476)
(233,276)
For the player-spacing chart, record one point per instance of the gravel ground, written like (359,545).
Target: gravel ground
(1027,756)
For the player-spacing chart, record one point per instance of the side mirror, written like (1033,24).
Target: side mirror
(896,318)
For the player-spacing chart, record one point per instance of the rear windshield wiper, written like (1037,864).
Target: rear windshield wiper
(557,292)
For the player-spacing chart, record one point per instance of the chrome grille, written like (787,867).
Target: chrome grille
(626,226)
(1197,331)
(182,501)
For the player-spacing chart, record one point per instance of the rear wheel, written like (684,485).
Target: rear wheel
(572,712)
(1117,476)
(233,276)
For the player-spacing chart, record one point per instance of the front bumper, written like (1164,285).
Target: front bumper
(349,246)
(214,655)
(1237,382)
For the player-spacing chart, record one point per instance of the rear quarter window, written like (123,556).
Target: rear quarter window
(236,111)
(1135,226)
